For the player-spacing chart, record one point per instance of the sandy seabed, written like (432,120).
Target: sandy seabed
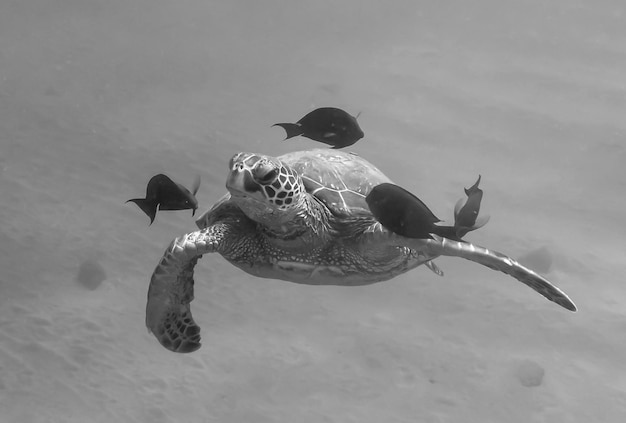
(96,97)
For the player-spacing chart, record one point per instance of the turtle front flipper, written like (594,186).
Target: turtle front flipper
(503,263)
(168,315)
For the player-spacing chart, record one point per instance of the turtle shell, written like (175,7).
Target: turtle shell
(338,179)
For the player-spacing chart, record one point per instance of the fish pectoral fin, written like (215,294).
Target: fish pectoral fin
(327,135)
(480,222)
(196,185)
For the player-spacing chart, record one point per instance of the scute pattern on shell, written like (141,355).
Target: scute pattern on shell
(341,182)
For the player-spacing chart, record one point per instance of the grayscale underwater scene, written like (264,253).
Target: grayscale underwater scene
(527,99)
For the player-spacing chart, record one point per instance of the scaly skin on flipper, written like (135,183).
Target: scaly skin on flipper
(168,315)
(498,261)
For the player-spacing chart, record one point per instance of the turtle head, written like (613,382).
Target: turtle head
(266,190)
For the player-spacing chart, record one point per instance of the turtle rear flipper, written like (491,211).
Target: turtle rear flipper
(503,263)
(432,266)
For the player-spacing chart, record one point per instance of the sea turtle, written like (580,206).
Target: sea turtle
(302,217)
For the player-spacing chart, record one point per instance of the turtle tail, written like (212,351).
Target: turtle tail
(293,129)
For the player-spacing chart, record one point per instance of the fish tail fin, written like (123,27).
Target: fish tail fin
(459,230)
(149,207)
(450,232)
(292,129)
(473,188)
(480,222)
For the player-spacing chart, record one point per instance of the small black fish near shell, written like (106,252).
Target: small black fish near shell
(466,211)
(328,125)
(404,214)
(165,194)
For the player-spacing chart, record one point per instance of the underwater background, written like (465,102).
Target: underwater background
(98,96)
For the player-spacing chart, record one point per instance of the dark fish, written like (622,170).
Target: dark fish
(466,211)
(404,214)
(165,194)
(329,125)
